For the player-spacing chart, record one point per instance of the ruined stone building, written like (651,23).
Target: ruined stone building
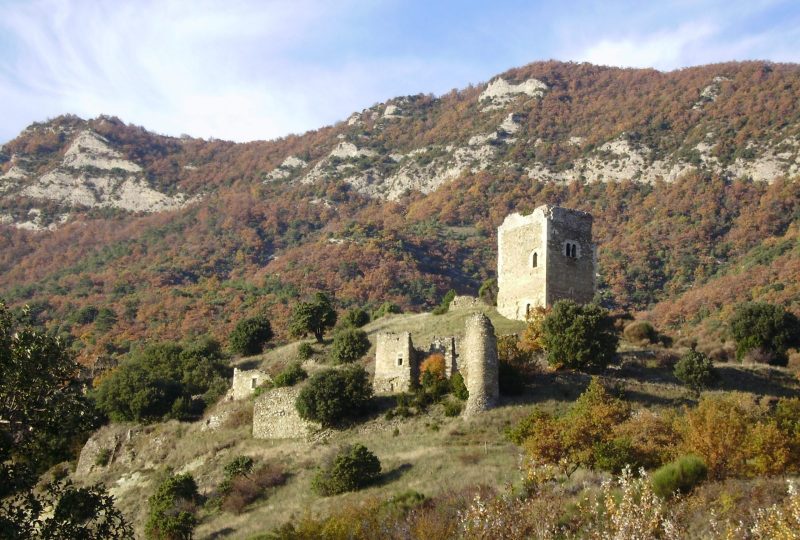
(542,258)
(482,370)
(245,382)
(396,363)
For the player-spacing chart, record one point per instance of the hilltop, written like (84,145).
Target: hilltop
(690,175)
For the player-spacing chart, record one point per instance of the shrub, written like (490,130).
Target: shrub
(766,328)
(159,382)
(444,305)
(238,466)
(242,489)
(86,315)
(640,332)
(695,370)
(579,337)
(356,318)
(680,476)
(172,508)
(103,457)
(105,320)
(305,351)
(334,396)
(349,344)
(385,309)
(291,375)
(452,407)
(457,386)
(716,430)
(353,468)
(432,369)
(488,292)
(250,335)
(613,455)
(570,441)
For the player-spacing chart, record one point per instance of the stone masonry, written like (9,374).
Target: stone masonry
(396,366)
(480,351)
(275,416)
(542,258)
(245,382)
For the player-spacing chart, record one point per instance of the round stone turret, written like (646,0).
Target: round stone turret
(480,359)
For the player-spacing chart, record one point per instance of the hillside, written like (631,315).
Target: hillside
(691,177)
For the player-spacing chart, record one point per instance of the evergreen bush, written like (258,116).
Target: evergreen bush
(353,468)
(680,476)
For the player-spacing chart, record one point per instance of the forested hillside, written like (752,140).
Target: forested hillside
(690,175)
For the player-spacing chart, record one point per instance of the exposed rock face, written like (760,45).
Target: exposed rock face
(286,169)
(115,440)
(275,416)
(91,174)
(500,92)
(480,351)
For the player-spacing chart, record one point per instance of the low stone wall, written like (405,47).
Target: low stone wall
(465,302)
(275,416)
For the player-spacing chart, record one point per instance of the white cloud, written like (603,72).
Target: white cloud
(662,50)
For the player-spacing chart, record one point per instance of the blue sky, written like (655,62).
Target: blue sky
(246,69)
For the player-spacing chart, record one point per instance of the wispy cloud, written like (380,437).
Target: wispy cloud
(249,69)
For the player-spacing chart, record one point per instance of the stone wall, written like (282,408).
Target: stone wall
(446,346)
(570,276)
(480,354)
(520,239)
(275,416)
(245,382)
(465,302)
(536,264)
(395,363)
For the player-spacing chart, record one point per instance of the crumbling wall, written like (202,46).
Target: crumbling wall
(465,302)
(245,382)
(446,346)
(480,354)
(395,363)
(275,415)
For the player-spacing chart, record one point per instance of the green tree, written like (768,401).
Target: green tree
(250,335)
(171,512)
(60,510)
(579,337)
(334,396)
(353,468)
(695,370)
(356,318)
(105,320)
(43,408)
(313,317)
(765,327)
(444,305)
(160,381)
(349,345)
(488,292)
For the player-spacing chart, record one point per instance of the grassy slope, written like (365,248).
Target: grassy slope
(430,453)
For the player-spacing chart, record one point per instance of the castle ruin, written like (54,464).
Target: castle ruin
(480,351)
(245,382)
(542,258)
(396,363)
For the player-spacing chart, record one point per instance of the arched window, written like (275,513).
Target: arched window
(534,259)
(567,249)
(574,253)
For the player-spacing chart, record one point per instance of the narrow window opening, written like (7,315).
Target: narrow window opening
(566,249)
(254,382)
(527,310)
(534,260)
(399,360)
(574,251)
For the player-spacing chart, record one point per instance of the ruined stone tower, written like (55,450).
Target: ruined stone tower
(480,351)
(395,363)
(542,258)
